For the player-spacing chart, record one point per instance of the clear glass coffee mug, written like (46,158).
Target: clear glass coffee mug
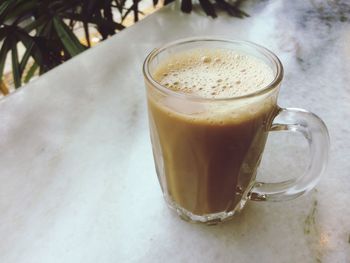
(206,167)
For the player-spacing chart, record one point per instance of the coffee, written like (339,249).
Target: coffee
(208,145)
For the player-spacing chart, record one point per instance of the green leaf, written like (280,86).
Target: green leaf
(5,9)
(30,72)
(31,48)
(25,58)
(15,66)
(89,7)
(67,37)
(231,9)
(4,5)
(22,10)
(36,23)
(119,5)
(127,13)
(208,8)
(46,29)
(186,6)
(87,34)
(135,8)
(3,32)
(3,54)
(16,10)
(107,12)
(97,20)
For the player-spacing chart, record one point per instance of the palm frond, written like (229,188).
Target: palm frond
(46,28)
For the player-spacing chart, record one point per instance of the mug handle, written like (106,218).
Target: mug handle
(315,132)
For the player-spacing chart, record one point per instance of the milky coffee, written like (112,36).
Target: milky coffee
(210,148)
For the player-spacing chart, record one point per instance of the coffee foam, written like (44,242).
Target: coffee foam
(214,73)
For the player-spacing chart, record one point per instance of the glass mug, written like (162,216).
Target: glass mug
(207,169)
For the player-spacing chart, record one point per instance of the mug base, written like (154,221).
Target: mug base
(208,219)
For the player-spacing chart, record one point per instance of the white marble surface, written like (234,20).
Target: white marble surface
(77,180)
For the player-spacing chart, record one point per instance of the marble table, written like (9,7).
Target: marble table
(77,180)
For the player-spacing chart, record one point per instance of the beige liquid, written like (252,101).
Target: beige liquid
(208,153)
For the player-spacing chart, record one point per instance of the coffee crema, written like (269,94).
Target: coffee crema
(207,153)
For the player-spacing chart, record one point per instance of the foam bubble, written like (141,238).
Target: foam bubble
(206,59)
(214,73)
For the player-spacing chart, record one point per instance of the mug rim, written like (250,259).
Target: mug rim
(262,50)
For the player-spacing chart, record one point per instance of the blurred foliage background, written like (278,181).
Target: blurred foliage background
(47,30)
